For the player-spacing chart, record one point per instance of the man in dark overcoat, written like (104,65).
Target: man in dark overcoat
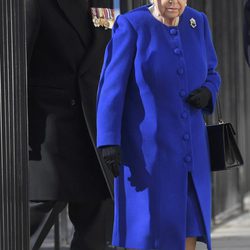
(66,40)
(247,30)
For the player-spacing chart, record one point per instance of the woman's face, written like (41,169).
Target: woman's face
(171,9)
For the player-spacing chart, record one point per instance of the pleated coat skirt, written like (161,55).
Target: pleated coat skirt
(163,191)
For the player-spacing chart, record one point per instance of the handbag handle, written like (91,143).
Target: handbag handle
(219,115)
(218,110)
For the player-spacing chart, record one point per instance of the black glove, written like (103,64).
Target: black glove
(199,98)
(112,158)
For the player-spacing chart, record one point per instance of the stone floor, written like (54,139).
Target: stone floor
(232,235)
(235,234)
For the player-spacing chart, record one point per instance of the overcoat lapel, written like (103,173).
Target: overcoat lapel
(89,74)
(77,13)
(88,83)
(101,37)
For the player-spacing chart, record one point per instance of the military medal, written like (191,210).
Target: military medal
(193,23)
(103,17)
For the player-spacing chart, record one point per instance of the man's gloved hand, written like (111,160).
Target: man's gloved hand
(199,98)
(112,158)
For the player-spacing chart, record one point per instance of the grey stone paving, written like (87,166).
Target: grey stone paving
(233,235)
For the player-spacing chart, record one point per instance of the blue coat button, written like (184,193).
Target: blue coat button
(173,32)
(177,51)
(184,115)
(186,137)
(182,93)
(180,71)
(188,158)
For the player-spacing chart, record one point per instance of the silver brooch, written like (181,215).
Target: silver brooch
(193,23)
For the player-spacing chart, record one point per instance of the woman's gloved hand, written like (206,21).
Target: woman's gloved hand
(112,158)
(199,98)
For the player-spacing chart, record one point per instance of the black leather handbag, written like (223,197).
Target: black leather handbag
(224,151)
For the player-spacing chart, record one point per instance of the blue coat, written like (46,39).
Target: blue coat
(149,69)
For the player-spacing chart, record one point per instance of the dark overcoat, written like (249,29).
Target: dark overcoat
(149,70)
(246,30)
(65,54)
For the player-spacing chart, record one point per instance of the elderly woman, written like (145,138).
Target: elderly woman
(158,79)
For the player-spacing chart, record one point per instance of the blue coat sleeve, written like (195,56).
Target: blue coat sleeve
(118,62)
(213,79)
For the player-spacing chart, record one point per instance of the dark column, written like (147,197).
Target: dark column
(226,22)
(14,220)
(131,4)
(229,186)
